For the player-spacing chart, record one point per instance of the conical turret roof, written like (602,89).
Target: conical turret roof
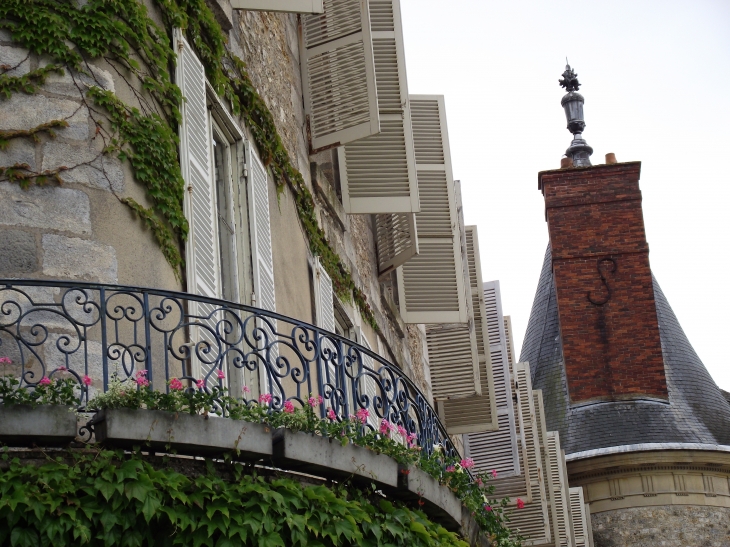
(696,413)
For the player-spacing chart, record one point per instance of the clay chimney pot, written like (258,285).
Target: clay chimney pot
(565,163)
(610,158)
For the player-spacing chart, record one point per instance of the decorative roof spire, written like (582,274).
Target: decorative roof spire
(572,102)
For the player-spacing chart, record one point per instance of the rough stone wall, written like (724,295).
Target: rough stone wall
(608,316)
(665,526)
(78,231)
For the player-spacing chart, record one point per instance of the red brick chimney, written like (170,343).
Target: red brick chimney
(608,318)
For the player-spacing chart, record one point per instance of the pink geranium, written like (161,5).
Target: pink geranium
(402,431)
(487,507)
(386,427)
(86,380)
(411,438)
(289,407)
(479,481)
(246,389)
(494,473)
(363,414)
(62,369)
(45,381)
(314,401)
(175,384)
(200,384)
(520,503)
(221,374)
(450,469)
(265,398)
(5,360)
(467,463)
(331,414)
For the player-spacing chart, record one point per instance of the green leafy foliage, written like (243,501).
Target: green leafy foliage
(49,391)
(27,83)
(103,498)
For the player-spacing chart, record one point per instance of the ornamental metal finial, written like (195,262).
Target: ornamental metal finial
(570,78)
(572,102)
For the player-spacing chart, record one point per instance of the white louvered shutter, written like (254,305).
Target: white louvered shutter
(431,285)
(202,250)
(510,340)
(338,74)
(396,240)
(547,463)
(378,173)
(498,449)
(589,525)
(263,261)
(579,516)
(478,413)
(532,520)
(368,384)
(558,483)
(288,6)
(325,318)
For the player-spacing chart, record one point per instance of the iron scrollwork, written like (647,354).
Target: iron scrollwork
(78,330)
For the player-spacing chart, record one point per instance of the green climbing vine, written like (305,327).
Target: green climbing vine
(121,32)
(106,498)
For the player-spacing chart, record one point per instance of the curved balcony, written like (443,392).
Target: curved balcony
(78,330)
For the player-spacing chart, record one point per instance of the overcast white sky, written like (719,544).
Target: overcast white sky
(656,79)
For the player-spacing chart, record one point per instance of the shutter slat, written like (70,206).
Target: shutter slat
(338,74)
(378,173)
(579,517)
(431,285)
(396,240)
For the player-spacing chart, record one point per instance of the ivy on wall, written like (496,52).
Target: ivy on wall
(121,32)
(105,498)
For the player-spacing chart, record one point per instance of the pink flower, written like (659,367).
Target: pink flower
(314,401)
(265,398)
(289,407)
(86,380)
(467,463)
(479,481)
(246,389)
(140,374)
(411,439)
(386,427)
(141,381)
(221,374)
(494,473)
(331,414)
(200,384)
(45,381)
(176,384)
(487,507)
(450,469)
(5,360)
(363,414)
(62,369)
(520,503)
(402,431)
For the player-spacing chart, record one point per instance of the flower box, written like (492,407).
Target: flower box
(45,425)
(436,500)
(327,458)
(185,433)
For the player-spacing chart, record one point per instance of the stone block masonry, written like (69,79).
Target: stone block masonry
(606,305)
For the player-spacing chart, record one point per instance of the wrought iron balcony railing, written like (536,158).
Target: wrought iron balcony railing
(53,328)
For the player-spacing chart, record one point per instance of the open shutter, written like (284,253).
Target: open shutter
(264,296)
(378,173)
(324,298)
(510,340)
(431,284)
(580,517)
(338,74)
(396,240)
(547,464)
(558,483)
(532,520)
(496,450)
(202,250)
(289,6)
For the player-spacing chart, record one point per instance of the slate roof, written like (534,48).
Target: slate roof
(697,411)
